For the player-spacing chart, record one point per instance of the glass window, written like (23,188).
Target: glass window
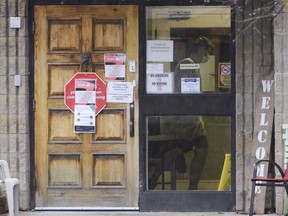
(188,50)
(188,152)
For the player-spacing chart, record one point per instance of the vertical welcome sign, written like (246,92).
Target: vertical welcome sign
(263,124)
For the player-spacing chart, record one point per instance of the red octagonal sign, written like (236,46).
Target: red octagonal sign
(69,91)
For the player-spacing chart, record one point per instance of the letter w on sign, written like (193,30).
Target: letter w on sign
(263,122)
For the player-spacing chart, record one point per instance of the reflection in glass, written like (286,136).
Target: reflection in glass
(188,50)
(188,152)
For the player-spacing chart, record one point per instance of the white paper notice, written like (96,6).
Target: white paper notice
(160,50)
(154,68)
(189,66)
(190,85)
(114,66)
(120,92)
(84,119)
(160,83)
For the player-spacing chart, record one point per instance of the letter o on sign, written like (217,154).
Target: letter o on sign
(260,153)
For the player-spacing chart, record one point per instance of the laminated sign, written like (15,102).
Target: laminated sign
(85,106)
(115,66)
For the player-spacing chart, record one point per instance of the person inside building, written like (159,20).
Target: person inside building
(188,131)
(189,67)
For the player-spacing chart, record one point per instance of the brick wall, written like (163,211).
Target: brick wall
(14,112)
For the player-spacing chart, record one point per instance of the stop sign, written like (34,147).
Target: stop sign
(69,91)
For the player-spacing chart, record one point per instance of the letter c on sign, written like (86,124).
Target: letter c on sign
(260,153)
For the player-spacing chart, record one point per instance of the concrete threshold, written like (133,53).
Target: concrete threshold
(129,213)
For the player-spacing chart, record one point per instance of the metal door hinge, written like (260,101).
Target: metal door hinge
(34,184)
(33,27)
(33,106)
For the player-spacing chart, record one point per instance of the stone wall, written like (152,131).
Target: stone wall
(281,92)
(14,109)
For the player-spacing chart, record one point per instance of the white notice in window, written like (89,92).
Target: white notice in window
(154,68)
(160,83)
(160,50)
(190,85)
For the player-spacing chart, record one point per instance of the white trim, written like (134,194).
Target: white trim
(87,208)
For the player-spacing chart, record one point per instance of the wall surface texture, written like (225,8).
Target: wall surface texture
(14,109)
(261,46)
(281,94)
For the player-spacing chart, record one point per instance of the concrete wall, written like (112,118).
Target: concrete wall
(14,112)
(260,45)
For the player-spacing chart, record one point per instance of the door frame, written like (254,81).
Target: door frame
(31,5)
(146,198)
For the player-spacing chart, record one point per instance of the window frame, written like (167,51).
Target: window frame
(208,104)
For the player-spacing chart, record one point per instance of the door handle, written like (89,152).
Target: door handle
(132,133)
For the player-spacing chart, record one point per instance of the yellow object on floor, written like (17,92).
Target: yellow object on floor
(225,179)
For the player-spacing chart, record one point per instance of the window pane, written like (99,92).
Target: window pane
(188,50)
(188,152)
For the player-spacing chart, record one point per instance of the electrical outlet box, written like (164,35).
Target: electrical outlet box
(15,22)
(17,80)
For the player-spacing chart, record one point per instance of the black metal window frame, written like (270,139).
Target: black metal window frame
(208,104)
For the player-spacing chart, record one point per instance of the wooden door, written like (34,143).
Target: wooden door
(98,170)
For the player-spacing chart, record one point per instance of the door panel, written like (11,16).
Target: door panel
(83,170)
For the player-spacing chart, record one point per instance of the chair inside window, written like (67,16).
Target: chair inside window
(171,167)
(267,181)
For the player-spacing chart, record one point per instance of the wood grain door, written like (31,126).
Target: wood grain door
(83,170)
